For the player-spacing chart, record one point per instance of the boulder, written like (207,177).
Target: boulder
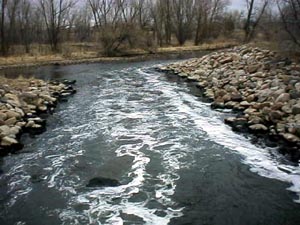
(290,137)
(3,116)
(287,109)
(258,128)
(253,68)
(12,114)
(11,121)
(296,109)
(237,97)
(226,60)
(284,97)
(8,141)
(275,116)
(4,130)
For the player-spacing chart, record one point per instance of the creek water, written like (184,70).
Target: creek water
(176,160)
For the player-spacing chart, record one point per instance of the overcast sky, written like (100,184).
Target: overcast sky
(238,4)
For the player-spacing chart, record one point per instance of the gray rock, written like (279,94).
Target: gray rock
(296,109)
(284,97)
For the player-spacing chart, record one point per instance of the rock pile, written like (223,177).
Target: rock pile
(262,87)
(21,102)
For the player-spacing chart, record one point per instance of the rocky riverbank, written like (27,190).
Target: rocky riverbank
(262,88)
(23,103)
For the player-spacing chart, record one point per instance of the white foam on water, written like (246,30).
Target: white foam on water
(259,159)
(150,136)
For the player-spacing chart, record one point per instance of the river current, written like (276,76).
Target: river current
(176,160)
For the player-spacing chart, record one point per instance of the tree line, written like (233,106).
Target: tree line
(137,23)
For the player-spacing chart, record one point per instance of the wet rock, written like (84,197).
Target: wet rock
(237,124)
(103,182)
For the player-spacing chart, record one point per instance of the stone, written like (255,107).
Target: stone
(294,94)
(15,130)
(8,141)
(258,128)
(30,123)
(284,97)
(3,116)
(255,120)
(42,108)
(13,99)
(280,127)
(226,60)
(287,109)
(21,124)
(226,98)
(290,137)
(12,114)
(5,130)
(47,98)
(297,87)
(230,120)
(296,109)
(237,97)
(275,116)
(245,104)
(250,111)
(253,68)
(10,121)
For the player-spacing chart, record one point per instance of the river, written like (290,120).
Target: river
(176,160)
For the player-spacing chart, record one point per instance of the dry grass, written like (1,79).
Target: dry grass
(88,51)
(20,83)
(203,47)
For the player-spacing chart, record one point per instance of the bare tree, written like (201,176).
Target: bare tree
(290,15)
(54,13)
(254,15)
(2,28)
(183,11)
(83,24)
(24,17)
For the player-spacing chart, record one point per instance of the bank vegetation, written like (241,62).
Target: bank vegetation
(93,28)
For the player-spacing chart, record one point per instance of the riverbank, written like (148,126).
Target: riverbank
(260,86)
(15,62)
(23,103)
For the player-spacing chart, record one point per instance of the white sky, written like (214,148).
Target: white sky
(238,4)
